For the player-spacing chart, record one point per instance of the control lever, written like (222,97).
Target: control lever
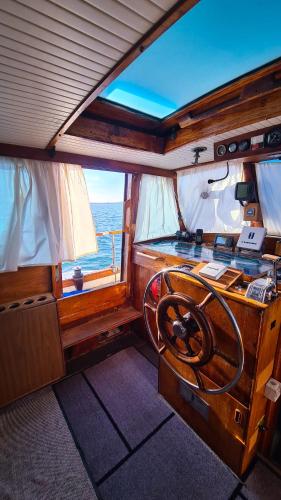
(275,261)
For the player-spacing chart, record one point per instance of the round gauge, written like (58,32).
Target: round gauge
(273,138)
(221,150)
(244,145)
(232,147)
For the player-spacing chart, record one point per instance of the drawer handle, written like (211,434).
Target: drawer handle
(152,257)
(238,416)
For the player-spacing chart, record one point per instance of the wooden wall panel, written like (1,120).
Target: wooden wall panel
(30,354)
(25,282)
(79,307)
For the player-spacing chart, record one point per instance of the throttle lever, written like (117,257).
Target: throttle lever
(275,261)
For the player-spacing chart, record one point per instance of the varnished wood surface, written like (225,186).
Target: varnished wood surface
(226,93)
(159,260)
(97,130)
(96,326)
(24,282)
(227,119)
(30,354)
(121,115)
(249,152)
(81,307)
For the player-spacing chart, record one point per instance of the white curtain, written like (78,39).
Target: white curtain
(269,183)
(210,207)
(45,215)
(157,210)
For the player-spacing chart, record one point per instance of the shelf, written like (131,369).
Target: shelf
(93,328)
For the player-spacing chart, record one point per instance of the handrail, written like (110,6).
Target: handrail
(116,231)
(113,269)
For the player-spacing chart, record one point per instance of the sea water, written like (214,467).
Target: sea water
(107,217)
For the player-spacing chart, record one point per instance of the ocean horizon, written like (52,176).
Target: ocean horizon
(108,217)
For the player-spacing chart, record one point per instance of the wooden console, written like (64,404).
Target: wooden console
(230,423)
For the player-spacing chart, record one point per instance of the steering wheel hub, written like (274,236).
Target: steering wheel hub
(179,329)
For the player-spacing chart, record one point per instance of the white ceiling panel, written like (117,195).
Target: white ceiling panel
(178,158)
(53,52)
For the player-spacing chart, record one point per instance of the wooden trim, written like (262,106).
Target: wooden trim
(91,162)
(229,91)
(57,283)
(95,275)
(242,114)
(272,409)
(169,18)
(119,114)
(111,133)
(78,308)
(131,206)
(181,222)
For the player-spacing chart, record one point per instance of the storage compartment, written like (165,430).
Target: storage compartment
(30,354)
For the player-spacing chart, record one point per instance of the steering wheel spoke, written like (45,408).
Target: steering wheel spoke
(151,307)
(206,301)
(168,282)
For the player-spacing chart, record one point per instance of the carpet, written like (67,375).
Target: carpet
(38,457)
(127,383)
(94,433)
(174,464)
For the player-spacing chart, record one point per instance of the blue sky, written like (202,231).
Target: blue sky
(217,41)
(104,186)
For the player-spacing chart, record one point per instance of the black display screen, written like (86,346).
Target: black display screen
(245,191)
(242,191)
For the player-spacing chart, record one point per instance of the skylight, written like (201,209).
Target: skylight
(215,42)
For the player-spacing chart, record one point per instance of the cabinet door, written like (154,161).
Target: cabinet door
(30,350)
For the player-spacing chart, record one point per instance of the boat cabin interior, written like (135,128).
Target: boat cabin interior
(140,249)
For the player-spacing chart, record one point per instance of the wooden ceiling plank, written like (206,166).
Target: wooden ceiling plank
(169,18)
(83,160)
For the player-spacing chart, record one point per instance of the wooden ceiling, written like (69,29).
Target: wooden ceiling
(250,99)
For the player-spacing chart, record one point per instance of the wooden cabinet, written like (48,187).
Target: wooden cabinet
(30,346)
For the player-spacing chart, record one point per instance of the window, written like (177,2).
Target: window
(211,207)
(212,44)
(106,196)
(269,181)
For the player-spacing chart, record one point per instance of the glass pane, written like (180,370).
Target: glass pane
(214,43)
(106,193)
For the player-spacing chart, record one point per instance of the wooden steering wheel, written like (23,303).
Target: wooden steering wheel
(188,333)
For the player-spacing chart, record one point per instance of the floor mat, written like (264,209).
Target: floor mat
(174,464)
(38,457)
(94,433)
(262,484)
(126,383)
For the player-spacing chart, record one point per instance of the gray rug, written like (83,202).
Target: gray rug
(262,484)
(127,385)
(174,464)
(38,457)
(95,435)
